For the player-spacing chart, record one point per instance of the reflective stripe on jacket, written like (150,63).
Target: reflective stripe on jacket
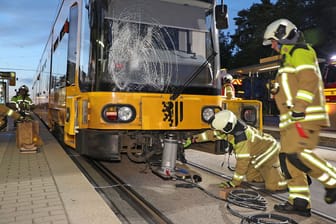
(5,111)
(301,86)
(22,102)
(258,148)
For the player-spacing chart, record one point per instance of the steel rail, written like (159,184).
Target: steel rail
(143,208)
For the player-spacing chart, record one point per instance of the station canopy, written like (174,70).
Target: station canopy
(266,65)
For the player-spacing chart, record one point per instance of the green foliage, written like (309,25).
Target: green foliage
(225,49)
(315,18)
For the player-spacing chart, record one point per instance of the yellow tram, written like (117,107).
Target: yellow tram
(134,76)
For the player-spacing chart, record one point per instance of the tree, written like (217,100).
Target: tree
(321,30)
(226,49)
(247,39)
(314,17)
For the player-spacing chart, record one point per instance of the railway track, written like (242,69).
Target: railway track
(129,197)
(121,198)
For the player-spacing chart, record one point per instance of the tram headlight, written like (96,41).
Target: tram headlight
(208,113)
(125,113)
(117,113)
(249,115)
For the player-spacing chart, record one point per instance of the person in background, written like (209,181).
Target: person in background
(6,111)
(228,90)
(299,97)
(257,153)
(21,102)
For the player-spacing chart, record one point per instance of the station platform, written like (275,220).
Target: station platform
(46,186)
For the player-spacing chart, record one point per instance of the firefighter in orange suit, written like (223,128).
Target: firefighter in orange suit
(257,153)
(300,100)
(4,112)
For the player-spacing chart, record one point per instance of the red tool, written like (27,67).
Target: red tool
(300,130)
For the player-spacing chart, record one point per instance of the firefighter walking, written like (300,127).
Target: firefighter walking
(300,100)
(257,153)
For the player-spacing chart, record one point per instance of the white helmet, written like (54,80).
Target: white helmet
(227,78)
(283,31)
(224,121)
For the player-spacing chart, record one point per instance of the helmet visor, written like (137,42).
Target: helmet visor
(228,128)
(267,42)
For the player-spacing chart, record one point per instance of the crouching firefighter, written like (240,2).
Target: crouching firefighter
(4,112)
(301,103)
(257,153)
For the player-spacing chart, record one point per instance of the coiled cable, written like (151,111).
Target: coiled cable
(247,199)
(244,198)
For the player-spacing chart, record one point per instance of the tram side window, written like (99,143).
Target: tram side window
(60,48)
(85,74)
(73,28)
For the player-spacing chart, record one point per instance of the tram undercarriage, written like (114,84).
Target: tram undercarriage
(159,149)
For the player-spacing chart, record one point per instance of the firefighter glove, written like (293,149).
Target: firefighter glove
(227,184)
(296,116)
(187,143)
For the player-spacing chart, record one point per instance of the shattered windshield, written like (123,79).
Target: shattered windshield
(136,48)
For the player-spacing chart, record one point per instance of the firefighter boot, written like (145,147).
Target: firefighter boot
(299,208)
(330,196)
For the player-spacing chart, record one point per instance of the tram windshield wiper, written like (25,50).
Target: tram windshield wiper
(176,92)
